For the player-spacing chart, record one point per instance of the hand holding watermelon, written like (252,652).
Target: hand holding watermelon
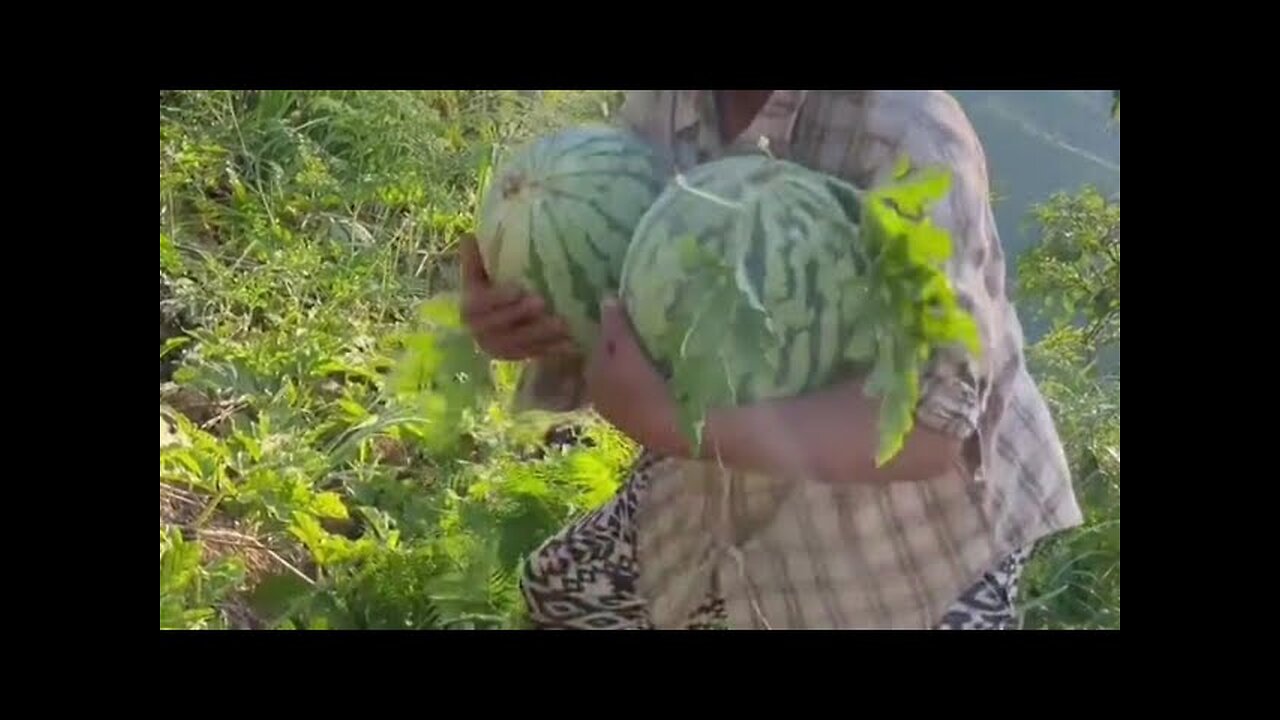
(556,218)
(507,322)
(752,286)
(826,436)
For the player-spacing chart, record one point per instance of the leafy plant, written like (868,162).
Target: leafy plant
(189,589)
(907,309)
(350,432)
(1073,276)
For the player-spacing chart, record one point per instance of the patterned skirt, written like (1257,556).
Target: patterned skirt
(584,578)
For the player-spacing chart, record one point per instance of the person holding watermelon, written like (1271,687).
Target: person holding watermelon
(782,517)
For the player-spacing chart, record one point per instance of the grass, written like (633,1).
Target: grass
(321,463)
(334,453)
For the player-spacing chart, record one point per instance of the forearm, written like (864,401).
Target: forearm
(828,436)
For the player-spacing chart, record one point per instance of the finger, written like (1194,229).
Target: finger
(551,349)
(543,332)
(478,304)
(505,319)
(558,349)
(480,292)
(473,271)
(479,295)
(563,347)
(536,336)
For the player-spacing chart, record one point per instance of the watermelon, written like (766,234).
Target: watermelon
(752,278)
(770,240)
(557,217)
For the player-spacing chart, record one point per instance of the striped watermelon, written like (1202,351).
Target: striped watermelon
(785,247)
(559,214)
(753,278)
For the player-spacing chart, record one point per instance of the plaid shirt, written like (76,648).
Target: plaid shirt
(786,553)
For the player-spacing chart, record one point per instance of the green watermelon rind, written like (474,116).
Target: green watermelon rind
(791,288)
(838,305)
(558,215)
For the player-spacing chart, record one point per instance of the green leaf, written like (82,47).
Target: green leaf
(172,344)
(352,411)
(170,258)
(862,344)
(754,348)
(278,596)
(464,371)
(223,576)
(695,258)
(179,562)
(928,245)
(339,367)
(417,367)
(707,333)
(954,328)
(884,224)
(307,528)
(729,323)
(911,196)
(326,612)
(522,531)
(699,384)
(902,167)
(897,414)
(597,479)
(907,306)
(381,523)
(442,311)
(883,374)
(328,505)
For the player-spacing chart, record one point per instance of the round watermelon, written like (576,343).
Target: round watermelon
(753,278)
(746,261)
(558,216)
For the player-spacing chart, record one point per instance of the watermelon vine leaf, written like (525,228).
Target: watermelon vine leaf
(730,338)
(910,309)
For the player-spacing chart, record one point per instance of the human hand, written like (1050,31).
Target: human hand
(507,322)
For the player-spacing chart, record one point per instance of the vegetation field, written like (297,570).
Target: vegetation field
(334,453)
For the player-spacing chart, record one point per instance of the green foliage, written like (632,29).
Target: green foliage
(906,301)
(729,327)
(326,401)
(189,589)
(1072,275)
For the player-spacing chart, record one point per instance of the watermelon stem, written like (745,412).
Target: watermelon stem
(684,185)
(763,144)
